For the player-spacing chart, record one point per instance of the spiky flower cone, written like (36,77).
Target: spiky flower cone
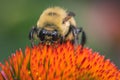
(58,63)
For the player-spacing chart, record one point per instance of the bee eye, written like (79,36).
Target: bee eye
(42,35)
(55,36)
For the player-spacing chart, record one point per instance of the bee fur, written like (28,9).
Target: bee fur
(58,23)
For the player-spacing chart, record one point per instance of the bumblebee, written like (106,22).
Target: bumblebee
(56,25)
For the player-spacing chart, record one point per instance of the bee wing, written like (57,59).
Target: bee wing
(69,16)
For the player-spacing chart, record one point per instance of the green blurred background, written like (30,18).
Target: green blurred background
(18,16)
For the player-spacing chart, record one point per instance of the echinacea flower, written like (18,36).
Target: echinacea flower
(61,62)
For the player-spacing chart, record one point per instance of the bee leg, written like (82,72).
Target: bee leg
(76,38)
(83,36)
(76,32)
(62,40)
(31,35)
